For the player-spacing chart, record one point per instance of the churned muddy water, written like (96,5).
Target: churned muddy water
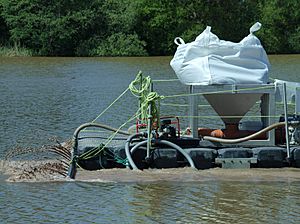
(43,100)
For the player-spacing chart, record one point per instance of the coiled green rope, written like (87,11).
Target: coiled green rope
(141,88)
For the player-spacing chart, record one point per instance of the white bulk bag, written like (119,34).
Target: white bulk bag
(208,60)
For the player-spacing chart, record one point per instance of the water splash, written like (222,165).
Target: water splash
(46,163)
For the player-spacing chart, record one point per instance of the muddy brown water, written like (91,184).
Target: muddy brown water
(46,97)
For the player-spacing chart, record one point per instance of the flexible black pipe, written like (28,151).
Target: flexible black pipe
(127,149)
(164,142)
(187,156)
(134,148)
(72,169)
(239,140)
(98,125)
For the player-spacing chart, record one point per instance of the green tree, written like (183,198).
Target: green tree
(281,21)
(4,34)
(120,38)
(105,27)
(51,27)
(159,22)
(120,44)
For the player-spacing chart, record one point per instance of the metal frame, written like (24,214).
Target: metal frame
(297,101)
(268,107)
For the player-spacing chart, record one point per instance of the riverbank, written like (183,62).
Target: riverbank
(15,52)
(7,51)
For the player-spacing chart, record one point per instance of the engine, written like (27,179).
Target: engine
(293,127)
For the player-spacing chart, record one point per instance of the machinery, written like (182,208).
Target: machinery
(268,142)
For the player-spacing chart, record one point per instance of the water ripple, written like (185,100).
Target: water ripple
(44,97)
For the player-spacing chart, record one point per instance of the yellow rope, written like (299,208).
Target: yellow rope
(143,91)
(91,153)
(140,87)
(110,105)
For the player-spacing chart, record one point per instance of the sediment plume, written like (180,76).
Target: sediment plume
(46,163)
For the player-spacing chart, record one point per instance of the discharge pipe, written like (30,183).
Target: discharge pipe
(73,165)
(164,142)
(239,140)
(98,125)
(127,148)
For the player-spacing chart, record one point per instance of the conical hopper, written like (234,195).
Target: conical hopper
(232,105)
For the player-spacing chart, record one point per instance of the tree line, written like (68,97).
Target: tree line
(142,27)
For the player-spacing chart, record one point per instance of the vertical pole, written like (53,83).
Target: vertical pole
(193,112)
(297,100)
(140,103)
(149,127)
(286,121)
(268,112)
(73,166)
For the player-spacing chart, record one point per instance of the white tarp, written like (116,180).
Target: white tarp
(209,60)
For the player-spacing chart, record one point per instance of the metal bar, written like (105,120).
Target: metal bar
(149,126)
(286,121)
(193,112)
(268,109)
(297,100)
(140,102)
(238,88)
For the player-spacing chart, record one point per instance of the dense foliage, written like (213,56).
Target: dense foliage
(142,27)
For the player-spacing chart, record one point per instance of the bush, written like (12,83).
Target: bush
(86,48)
(294,41)
(15,51)
(120,44)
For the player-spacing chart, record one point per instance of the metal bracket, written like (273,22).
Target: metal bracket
(236,163)
(234,89)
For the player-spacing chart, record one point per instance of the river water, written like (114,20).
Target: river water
(42,98)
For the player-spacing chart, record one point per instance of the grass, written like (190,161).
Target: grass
(14,51)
